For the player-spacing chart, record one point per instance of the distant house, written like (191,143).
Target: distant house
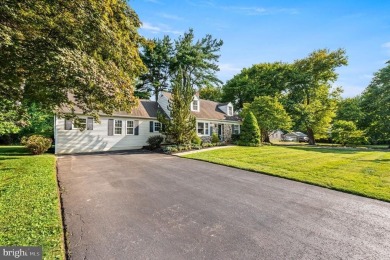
(124,131)
(276,135)
(295,137)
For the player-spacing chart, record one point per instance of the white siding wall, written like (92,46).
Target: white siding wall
(75,141)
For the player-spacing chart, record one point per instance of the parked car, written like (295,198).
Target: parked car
(303,139)
(288,139)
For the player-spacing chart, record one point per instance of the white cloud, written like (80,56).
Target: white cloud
(158,29)
(386,46)
(260,10)
(171,17)
(153,1)
(228,67)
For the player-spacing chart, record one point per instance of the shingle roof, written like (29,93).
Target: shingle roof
(209,110)
(145,109)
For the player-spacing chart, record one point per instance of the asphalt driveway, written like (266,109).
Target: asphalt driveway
(153,206)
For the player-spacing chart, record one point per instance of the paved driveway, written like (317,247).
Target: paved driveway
(153,206)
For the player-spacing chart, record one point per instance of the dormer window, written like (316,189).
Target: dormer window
(195,105)
(230,110)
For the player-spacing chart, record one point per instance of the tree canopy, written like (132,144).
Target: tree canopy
(270,115)
(310,98)
(264,79)
(210,92)
(157,56)
(69,53)
(376,106)
(197,60)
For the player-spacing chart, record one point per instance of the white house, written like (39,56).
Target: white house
(125,131)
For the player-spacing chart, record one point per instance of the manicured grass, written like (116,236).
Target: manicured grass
(29,205)
(363,172)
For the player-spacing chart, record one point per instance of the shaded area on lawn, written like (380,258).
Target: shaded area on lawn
(29,204)
(357,171)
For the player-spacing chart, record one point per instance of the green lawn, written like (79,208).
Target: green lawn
(363,172)
(29,205)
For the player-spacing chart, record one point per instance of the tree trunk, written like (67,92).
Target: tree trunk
(310,134)
(156,94)
(266,137)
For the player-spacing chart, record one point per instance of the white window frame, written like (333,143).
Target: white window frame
(130,127)
(115,127)
(238,129)
(85,124)
(230,110)
(195,107)
(154,126)
(206,128)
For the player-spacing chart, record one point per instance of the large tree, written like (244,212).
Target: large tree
(210,92)
(69,53)
(180,126)
(196,59)
(264,79)
(376,106)
(349,109)
(270,115)
(156,55)
(310,98)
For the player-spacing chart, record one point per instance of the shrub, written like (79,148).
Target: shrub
(37,144)
(235,138)
(250,132)
(214,138)
(155,141)
(196,140)
(206,139)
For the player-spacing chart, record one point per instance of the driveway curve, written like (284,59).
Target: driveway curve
(142,205)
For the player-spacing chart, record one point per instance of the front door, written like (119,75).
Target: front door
(220,131)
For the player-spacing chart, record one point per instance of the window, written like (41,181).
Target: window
(203,128)
(195,105)
(82,124)
(230,111)
(157,126)
(236,129)
(129,127)
(118,127)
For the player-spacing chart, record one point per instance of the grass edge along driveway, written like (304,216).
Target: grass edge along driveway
(30,212)
(360,172)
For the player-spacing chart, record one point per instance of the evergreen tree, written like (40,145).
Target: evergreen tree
(180,127)
(250,131)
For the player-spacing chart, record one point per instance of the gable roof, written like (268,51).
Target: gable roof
(209,110)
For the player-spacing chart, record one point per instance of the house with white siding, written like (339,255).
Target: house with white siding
(125,131)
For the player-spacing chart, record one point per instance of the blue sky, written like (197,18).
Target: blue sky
(268,31)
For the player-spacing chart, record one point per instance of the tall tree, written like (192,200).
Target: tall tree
(157,56)
(264,79)
(69,53)
(349,109)
(270,115)
(376,106)
(310,98)
(180,126)
(197,60)
(210,92)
